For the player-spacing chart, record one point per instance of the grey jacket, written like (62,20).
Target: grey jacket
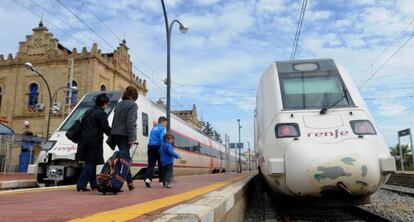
(125,119)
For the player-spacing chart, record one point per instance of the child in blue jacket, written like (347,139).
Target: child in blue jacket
(167,156)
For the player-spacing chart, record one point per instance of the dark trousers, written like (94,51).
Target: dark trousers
(123,146)
(88,174)
(167,171)
(153,157)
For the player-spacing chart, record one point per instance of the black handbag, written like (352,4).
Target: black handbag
(74,132)
(111,142)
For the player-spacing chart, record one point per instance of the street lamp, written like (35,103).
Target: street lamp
(239,147)
(30,67)
(250,166)
(73,88)
(168,30)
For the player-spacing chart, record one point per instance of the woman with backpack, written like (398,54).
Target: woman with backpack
(90,146)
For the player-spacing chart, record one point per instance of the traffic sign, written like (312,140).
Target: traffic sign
(405,132)
(236,145)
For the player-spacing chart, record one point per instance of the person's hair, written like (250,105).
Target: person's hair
(162,119)
(168,136)
(130,93)
(101,99)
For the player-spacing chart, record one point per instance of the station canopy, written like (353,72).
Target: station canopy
(5,130)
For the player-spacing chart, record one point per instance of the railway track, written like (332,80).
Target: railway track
(264,207)
(327,214)
(399,189)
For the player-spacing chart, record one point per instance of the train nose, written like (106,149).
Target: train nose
(324,169)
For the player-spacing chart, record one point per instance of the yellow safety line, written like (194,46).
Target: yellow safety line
(36,190)
(134,211)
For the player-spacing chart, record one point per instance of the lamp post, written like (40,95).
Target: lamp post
(74,88)
(53,109)
(30,67)
(168,30)
(239,147)
(248,146)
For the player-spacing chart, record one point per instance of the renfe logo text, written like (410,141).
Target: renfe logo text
(335,134)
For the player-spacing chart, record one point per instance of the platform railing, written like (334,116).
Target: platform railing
(17,152)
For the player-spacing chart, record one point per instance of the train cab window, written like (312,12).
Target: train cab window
(87,103)
(145,124)
(313,90)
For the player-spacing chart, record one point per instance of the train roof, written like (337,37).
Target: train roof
(183,121)
(305,65)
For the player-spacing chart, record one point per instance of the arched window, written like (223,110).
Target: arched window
(103,88)
(74,98)
(33,94)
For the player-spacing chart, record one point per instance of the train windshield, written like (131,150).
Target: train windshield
(313,90)
(87,103)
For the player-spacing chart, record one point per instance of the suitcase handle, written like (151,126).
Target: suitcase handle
(135,149)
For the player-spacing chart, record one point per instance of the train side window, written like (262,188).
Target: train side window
(145,124)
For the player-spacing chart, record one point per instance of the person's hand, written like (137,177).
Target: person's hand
(132,143)
(180,158)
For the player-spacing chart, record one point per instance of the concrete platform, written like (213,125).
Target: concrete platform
(64,203)
(17,181)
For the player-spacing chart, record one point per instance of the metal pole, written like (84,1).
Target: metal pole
(168,82)
(50,103)
(239,148)
(401,156)
(10,144)
(226,141)
(411,142)
(4,163)
(235,158)
(250,166)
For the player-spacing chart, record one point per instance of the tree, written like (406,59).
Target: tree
(217,137)
(209,131)
(406,153)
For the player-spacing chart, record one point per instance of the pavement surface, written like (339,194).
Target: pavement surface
(64,203)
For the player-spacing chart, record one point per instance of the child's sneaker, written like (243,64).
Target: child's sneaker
(161,184)
(168,186)
(148,183)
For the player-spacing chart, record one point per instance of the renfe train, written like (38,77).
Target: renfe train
(314,134)
(56,161)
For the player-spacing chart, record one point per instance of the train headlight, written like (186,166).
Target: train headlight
(362,127)
(287,130)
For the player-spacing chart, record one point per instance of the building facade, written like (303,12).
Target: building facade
(24,99)
(190,116)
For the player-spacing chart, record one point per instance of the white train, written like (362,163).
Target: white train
(314,134)
(56,162)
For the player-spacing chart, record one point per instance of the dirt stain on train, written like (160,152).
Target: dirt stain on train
(362,183)
(364,170)
(330,173)
(348,160)
(277,182)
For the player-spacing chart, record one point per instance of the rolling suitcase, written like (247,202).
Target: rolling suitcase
(114,172)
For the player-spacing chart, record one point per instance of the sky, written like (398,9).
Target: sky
(217,63)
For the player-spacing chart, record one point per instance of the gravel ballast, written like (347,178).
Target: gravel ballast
(396,207)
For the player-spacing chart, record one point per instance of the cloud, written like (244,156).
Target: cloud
(206,2)
(272,6)
(406,7)
(315,15)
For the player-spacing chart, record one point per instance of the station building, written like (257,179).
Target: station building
(24,99)
(21,90)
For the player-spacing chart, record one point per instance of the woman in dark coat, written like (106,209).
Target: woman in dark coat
(90,147)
